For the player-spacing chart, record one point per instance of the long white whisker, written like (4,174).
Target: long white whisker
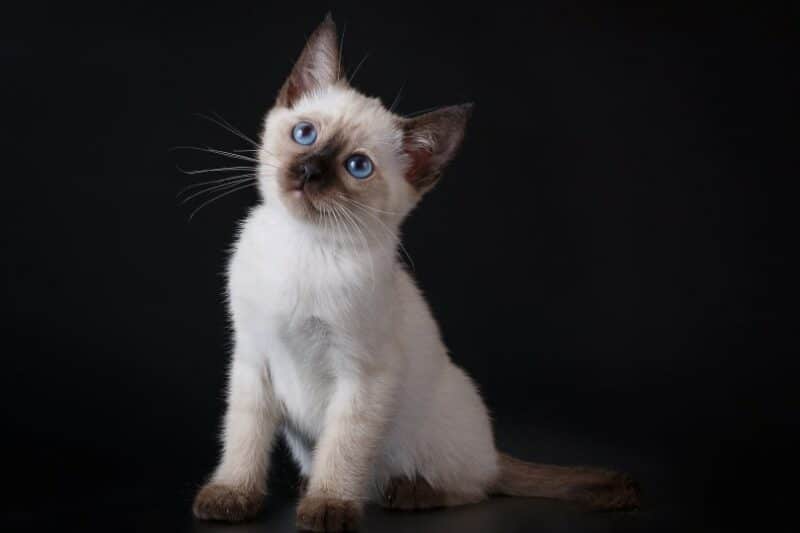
(218,152)
(341,51)
(375,209)
(325,218)
(347,233)
(416,113)
(335,219)
(212,182)
(230,183)
(353,75)
(397,98)
(357,226)
(209,185)
(224,124)
(383,244)
(218,169)
(342,229)
(226,193)
(394,236)
(349,215)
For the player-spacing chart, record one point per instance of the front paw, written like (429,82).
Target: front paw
(327,514)
(227,503)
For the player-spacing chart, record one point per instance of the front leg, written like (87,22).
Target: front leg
(355,426)
(237,488)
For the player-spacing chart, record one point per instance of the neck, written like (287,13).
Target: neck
(342,233)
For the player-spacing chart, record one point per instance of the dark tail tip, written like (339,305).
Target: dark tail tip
(594,489)
(619,492)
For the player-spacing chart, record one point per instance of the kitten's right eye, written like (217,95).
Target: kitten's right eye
(304,133)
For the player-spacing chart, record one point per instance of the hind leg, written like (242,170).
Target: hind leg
(405,494)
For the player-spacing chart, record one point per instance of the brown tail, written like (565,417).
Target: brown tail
(594,488)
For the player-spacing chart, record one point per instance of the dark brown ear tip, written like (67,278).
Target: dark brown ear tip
(325,28)
(467,109)
(328,23)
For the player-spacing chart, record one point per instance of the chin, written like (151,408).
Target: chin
(301,204)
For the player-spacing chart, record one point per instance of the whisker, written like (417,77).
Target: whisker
(216,152)
(212,182)
(397,98)
(341,50)
(395,237)
(351,216)
(225,185)
(353,75)
(224,124)
(340,228)
(219,169)
(417,113)
(226,193)
(367,206)
(345,227)
(385,245)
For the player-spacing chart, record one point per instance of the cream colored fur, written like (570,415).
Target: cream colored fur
(335,347)
(356,360)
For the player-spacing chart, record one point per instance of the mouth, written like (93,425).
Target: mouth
(300,200)
(299,195)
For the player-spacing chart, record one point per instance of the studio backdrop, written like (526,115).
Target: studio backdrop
(605,256)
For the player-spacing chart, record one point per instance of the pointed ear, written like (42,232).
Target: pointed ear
(431,141)
(317,67)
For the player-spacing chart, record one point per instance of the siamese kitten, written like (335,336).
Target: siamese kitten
(334,346)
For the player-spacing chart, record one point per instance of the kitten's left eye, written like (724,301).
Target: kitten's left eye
(304,133)
(359,166)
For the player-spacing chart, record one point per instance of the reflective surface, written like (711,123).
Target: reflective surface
(669,504)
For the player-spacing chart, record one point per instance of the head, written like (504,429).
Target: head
(330,154)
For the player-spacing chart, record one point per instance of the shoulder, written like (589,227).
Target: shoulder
(255,234)
(249,248)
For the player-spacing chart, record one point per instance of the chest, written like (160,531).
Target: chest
(310,313)
(301,293)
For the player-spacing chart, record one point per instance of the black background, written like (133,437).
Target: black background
(607,256)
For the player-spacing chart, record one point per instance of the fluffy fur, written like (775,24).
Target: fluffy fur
(335,347)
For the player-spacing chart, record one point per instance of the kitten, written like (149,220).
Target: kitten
(334,346)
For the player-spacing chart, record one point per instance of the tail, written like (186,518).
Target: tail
(597,489)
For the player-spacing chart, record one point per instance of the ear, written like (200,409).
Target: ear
(317,67)
(431,141)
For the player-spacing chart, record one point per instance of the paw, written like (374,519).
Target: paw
(227,503)
(408,495)
(327,514)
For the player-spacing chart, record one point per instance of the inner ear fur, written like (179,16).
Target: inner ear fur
(431,141)
(316,68)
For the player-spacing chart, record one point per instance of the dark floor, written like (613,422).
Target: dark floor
(669,504)
(496,515)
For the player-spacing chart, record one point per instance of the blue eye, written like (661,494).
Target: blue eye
(304,133)
(359,166)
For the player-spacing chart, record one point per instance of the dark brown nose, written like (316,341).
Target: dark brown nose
(310,171)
